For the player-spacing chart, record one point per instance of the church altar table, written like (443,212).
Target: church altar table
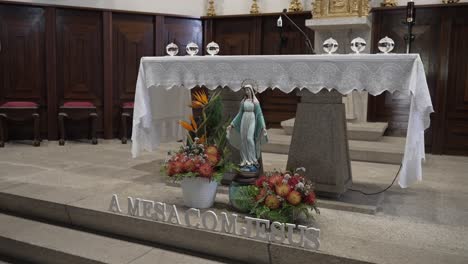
(163,90)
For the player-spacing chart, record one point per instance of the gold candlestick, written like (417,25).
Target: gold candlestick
(254,9)
(295,6)
(211,9)
(388,3)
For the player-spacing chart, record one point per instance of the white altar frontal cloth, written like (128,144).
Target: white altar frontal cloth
(159,107)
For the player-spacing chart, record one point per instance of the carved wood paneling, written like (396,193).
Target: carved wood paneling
(79,55)
(456,116)
(22,54)
(133,38)
(237,36)
(182,31)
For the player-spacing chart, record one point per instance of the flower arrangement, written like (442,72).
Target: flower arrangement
(204,154)
(278,196)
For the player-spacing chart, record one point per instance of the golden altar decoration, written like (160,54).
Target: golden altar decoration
(340,8)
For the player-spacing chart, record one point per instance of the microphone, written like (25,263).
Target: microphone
(307,39)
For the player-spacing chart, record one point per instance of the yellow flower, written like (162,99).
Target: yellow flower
(201,99)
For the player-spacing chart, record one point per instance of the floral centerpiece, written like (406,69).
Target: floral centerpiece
(201,161)
(278,196)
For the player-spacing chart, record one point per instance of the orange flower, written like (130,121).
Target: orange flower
(194,124)
(201,99)
(192,127)
(202,140)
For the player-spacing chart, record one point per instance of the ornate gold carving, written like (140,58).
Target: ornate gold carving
(211,9)
(340,8)
(389,3)
(295,6)
(254,9)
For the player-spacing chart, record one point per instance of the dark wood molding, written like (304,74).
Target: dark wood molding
(307,12)
(96,9)
(108,78)
(51,74)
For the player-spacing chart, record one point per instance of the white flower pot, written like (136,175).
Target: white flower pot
(198,192)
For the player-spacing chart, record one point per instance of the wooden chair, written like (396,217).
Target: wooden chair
(127,112)
(77,111)
(19,111)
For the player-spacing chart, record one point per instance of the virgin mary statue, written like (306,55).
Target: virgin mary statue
(247,130)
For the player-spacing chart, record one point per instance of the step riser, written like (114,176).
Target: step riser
(355,155)
(35,254)
(215,244)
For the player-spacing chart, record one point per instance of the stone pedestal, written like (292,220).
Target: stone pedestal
(319,142)
(344,30)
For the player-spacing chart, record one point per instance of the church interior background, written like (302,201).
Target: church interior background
(75,91)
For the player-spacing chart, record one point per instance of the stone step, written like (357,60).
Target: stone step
(37,242)
(369,131)
(388,150)
(47,242)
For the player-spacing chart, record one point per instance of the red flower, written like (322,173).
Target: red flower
(293,181)
(310,199)
(205,170)
(276,179)
(259,182)
(189,166)
(261,195)
(174,167)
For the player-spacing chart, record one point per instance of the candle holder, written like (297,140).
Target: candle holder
(254,9)
(409,22)
(295,6)
(388,3)
(211,9)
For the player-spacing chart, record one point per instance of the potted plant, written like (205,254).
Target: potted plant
(201,161)
(285,197)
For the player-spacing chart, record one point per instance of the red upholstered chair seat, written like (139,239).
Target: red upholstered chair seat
(128,105)
(83,104)
(19,104)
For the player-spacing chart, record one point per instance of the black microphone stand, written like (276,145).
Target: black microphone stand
(307,39)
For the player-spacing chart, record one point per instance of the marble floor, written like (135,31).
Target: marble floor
(426,223)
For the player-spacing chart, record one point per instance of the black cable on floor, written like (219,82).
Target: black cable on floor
(379,192)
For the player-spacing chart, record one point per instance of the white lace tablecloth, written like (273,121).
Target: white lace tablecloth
(159,107)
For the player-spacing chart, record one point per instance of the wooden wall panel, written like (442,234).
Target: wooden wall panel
(237,36)
(79,37)
(278,106)
(455,135)
(132,38)
(394,108)
(22,61)
(79,55)
(22,53)
(182,31)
